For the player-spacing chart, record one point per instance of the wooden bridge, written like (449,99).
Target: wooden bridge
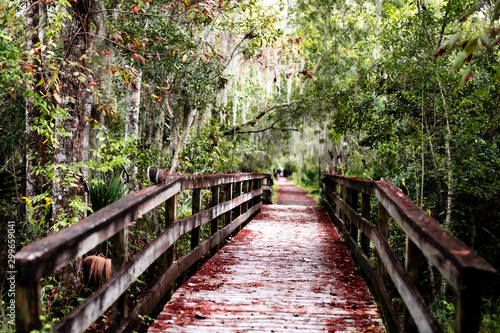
(287,270)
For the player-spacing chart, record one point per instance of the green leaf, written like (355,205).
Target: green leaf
(498,72)
(471,46)
(82,79)
(459,61)
(40,82)
(466,76)
(496,12)
(486,42)
(453,40)
(184,58)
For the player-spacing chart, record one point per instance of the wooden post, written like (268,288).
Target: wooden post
(412,265)
(28,308)
(336,191)
(354,198)
(467,305)
(119,244)
(169,256)
(365,212)
(383,225)
(347,200)
(343,195)
(229,196)
(237,210)
(214,225)
(196,207)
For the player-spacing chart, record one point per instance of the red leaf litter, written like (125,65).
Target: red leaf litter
(286,271)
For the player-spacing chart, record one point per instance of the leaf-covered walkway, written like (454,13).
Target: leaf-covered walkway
(287,270)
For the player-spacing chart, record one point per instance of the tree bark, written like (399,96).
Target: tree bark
(132,122)
(181,139)
(34,142)
(77,99)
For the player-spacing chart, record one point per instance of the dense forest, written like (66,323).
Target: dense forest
(93,92)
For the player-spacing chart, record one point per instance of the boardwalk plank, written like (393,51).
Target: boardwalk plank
(287,270)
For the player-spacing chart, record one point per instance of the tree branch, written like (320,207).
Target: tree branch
(431,41)
(253,122)
(445,23)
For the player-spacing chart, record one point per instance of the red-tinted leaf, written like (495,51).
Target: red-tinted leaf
(439,52)
(486,42)
(466,76)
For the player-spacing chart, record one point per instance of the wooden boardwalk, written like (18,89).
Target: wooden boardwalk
(287,270)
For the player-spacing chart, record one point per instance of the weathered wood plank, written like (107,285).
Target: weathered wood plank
(294,277)
(196,207)
(369,270)
(365,212)
(409,293)
(119,256)
(360,185)
(178,267)
(446,252)
(28,308)
(87,312)
(214,226)
(42,257)
(206,181)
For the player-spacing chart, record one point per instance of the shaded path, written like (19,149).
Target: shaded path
(287,270)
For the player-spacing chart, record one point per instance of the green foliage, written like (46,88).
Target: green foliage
(102,194)
(443,311)
(491,318)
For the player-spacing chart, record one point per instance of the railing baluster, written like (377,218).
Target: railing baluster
(237,210)
(119,245)
(170,219)
(365,212)
(214,225)
(28,308)
(336,191)
(412,266)
(383,225)
(229,196)
(196,207)
(467,305)
(354,198)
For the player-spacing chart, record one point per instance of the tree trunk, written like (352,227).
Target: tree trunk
(34,141)
(132,122)
(77,99)
(181,139)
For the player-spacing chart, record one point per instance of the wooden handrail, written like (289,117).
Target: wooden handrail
(42,257)
(458,264)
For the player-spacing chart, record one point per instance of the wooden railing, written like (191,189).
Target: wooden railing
(458,264)
(235,196)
